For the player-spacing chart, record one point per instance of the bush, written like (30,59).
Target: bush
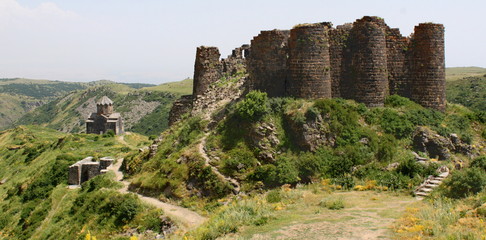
(479,162)
(466,182)
(109,133)
(253,107)
(394,123)
(332,203)
(397,101)
(274,196)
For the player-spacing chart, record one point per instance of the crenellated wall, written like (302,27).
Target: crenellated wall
(309,63)
(267,62)
(427,66)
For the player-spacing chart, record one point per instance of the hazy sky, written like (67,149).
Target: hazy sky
(155,41)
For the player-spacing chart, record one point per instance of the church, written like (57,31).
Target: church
(104,119)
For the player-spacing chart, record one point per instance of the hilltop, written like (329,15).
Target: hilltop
(19,95)
(144,109)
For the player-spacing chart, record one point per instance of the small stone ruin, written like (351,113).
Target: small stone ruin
(86,169)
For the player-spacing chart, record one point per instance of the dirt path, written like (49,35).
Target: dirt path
(202,151)
(367,215)
(189,219)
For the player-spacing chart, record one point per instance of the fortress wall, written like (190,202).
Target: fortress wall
(396,47)
(366,63)
(207,69)
(267,62)
(338,38)
(180,107)
(427,66)
(235,62)
(309,62)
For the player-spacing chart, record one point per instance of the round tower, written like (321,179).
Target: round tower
(104,106)
(427,66)
(267,62)
(309,64)
(367,62)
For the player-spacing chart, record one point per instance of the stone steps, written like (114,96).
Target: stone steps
(431,183)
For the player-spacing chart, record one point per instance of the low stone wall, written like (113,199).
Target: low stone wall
(86,169)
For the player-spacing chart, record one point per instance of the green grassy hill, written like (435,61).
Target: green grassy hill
(144,109)
(456,73)
(35,200)
(468,91)
(19,96)
(263,144)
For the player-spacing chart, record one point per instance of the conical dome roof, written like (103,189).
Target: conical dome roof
(104,101)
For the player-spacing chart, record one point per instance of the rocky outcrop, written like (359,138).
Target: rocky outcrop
(264,137)
(437,146)
(311,134)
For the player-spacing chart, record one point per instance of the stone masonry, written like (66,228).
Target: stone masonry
(267,63)
(86,169)
(365,61)
(308,63)
(427,66)
(365,64)
(104,118)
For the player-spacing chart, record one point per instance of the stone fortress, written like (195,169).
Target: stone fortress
(364,61)
(104,119)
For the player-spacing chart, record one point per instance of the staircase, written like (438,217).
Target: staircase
(431,182)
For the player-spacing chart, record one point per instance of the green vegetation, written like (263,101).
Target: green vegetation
(34,195)
(469,91)
(183,87)
(260,143)
(144,112)
(456,73)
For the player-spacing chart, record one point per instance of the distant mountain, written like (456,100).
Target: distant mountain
(144,110)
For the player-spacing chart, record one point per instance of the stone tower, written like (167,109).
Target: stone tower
(366,65)
(207,69)
(104,106)
(427,66)
(267,63)
(309,63)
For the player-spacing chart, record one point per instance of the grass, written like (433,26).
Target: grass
(183,87)
(367,213)
(456,73)
(442,218)
(36,201)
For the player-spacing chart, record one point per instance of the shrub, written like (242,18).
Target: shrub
(253,107)
(394,123)
(479,162)
(465,182)
(397,101)
(274,196)
(410,168)
(332,203)
(109,133)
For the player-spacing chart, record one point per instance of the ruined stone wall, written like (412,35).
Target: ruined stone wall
(427,66)
(180,107)
(235,63)
(366,62)
(309,63)
(338,40)
(267,62)
(207,69)
(396,47)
